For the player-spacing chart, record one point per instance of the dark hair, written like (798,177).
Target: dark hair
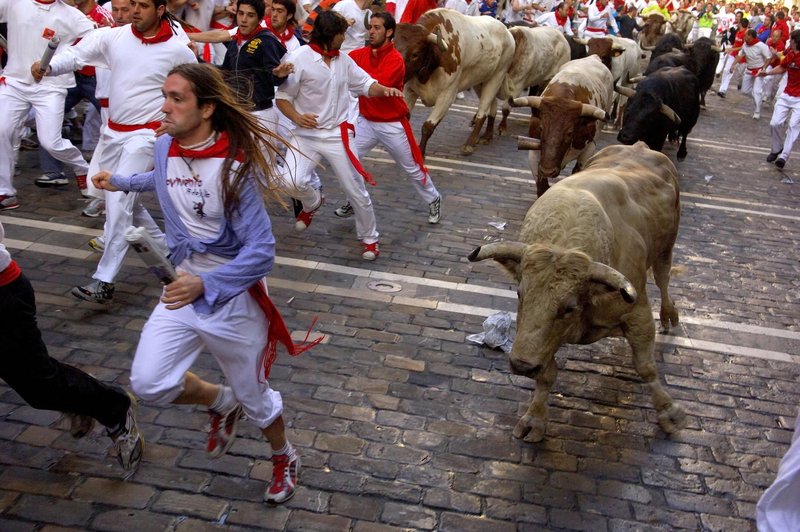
(328,25)
(795,38)
(290,9)
(751,33)
(246,136)
(258,5)
(744,22)
(388,21)
(780,15)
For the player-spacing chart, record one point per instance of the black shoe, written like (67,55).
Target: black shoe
(96,292)
(780,163)
(297,205)
(772,156)
(721,94)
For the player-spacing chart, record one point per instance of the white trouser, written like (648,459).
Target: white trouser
(777,510)
(299,180)
(393,137)
(771,83)
(91,129)
(753,85)
(786,107)
(726,72)
(235,335)
(47,102)
(124,153)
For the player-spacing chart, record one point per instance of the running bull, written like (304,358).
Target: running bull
(581,266)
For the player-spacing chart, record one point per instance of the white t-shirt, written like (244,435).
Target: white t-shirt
(356,35)
(457,5)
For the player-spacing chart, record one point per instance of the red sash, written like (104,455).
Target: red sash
(103,102)
(416,153)
(132,127)
(344,127)
(10,274)
(277,331)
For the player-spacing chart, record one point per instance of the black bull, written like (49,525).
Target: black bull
(700,57)
(667,102)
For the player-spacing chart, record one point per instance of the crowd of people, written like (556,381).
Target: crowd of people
(223,109)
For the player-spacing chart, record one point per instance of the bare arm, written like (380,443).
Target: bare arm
(212,36)
(376,89)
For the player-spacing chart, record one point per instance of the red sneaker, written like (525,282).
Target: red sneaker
(81,179)
(222,431)
(371,251)
(304,218)
(284,478)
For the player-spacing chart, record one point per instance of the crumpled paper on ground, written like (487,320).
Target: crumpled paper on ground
(496,332)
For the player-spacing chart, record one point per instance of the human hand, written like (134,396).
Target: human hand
(307,120)
(183,291)
(37,73)
(102,181)
(283,70)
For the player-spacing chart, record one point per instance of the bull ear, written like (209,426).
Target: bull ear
(608,276)
(669,113)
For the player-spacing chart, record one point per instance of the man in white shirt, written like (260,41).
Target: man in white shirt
(140,56)
(757,56)
(317,98)
(31,26)
(599,17)
(557,19)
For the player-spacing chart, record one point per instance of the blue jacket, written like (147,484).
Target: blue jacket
(246,238)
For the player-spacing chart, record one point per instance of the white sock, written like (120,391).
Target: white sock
(225,400)
(286,449)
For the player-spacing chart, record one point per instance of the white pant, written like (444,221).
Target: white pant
(299,180)
(778,509)
(393,137)
(124,153)
(753,85)
(727,75)
(786,107)
(235,335)
(47,102)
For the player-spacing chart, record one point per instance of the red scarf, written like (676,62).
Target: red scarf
(324,53)
(220,149)
(561,21)
(284,36)
(163,35)
(244,38)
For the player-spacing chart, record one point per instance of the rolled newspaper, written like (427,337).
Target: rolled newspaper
(48,54)
(3,43)
(157,263)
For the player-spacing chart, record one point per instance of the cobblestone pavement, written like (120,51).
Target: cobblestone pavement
(403,424)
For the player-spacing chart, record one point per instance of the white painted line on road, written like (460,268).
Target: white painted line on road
(743,211)
(470,310)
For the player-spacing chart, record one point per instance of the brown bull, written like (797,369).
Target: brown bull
(581,265)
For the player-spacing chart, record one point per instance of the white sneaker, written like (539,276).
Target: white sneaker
(460,96)
(435,211)
(756,116)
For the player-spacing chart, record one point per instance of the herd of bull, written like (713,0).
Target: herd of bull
(586,244)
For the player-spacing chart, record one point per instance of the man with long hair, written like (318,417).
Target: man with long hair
(316,97)
(385,120)
(139,55)
(211,178)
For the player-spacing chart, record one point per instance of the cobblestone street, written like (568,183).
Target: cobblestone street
(400,422)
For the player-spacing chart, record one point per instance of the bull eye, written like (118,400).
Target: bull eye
(567,311)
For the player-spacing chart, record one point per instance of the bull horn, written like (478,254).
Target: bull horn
(716,49)
(601,273)
(625,91)
(669,113)
(584,42)
(617,48)
(499,250)
(648,48)
(526,101)
(687,46)
(676,50)
(528,143)
(592,111)
(637,79)
(436,38)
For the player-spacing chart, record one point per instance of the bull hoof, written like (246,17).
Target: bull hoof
(672,419)
(467,150)
(681,157)
(668,318)
(483,141)
(530,429)
(501,131)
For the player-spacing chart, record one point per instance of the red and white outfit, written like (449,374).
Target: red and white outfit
(139,67)
(31,25)
(755,56)
(384,120)
(325,91)
(553,20)
(787,107)
(356,34)
(599,16)
(730,60)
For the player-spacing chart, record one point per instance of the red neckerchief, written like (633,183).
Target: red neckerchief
(284,36)
(163,35)
(324,53)
(380,53)
(561,20)
(244,38)
(220,149)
